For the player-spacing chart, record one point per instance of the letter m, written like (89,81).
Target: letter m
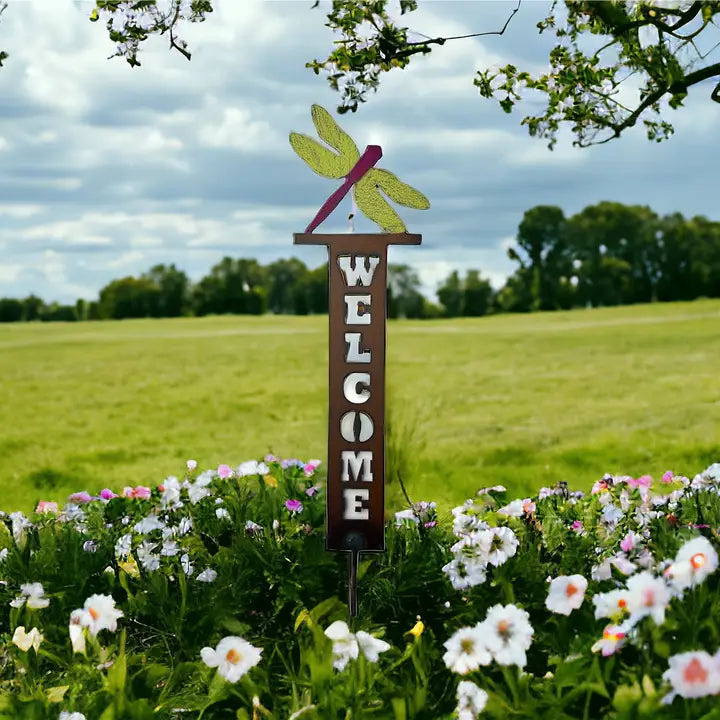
(355,267)
(358,464)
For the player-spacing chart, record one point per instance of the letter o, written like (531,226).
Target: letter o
(356,426)
(350,387)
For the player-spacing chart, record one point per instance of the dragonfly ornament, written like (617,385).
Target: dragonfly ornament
(367,182)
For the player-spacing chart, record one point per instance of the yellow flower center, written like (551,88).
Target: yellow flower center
(467,645)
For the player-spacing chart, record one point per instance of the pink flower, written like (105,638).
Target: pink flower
(271,458)
(598,487)
(46,506)
(80,497)
(107,494)
(138,493)
(312,490)
(191,465)
(642,481)
(224,472)
(430,524)
(577,526)
(294,506)
(626,544)
(668,476)
(692,675)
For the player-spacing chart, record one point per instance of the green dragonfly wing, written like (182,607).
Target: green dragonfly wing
(374,206)
(322,160)
(399,191)
(334,135)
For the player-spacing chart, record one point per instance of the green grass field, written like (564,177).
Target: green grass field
(518,400)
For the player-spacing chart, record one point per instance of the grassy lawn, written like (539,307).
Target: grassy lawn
(518,400)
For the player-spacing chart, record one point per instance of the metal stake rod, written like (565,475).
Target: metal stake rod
(352,582)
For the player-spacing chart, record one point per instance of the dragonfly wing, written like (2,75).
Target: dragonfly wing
(374,206)
(399,191)
(322,160)
(334,135)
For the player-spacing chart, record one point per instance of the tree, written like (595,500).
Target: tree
(233,286)
(285,287)
(11,310)
(582,87)
(32,308)
(451,296)
(542,240)
(129,297)
(404,297)
(478,295)
(615,243)
(173,287)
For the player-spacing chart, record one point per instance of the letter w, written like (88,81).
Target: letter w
(354,268)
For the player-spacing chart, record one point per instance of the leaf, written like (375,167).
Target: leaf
(56,694)
(323,161)
(375,207)
(399,191)
(334,135)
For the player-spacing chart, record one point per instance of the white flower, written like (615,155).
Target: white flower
(148,524)
(467,650)
(471,700)
(171,493)
(233,657)
(613,638)
(503,545)
(26,640)
(169,548)
(222,514)
(147,558)
(508,634)
(647,595)
(76,631)
(693,675)
(252,527)
(123,546)
(252,467)
(207,575)
(465,572)
(345,645)
(3,554)
(184,526)
(370,646)
(696,559)
(603,571)
(187,566)
(566,594)
(20,526)
(100,613)
(517,508)
(611,515)
(65,715)
(625,566)
(610,604)
(33,594)
(406,515)
(191,465)
(198,490)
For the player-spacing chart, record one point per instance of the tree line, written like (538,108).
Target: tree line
(607,254)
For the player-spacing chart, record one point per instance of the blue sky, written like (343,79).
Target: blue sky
(107,170)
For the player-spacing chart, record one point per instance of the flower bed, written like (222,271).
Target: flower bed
(212,596)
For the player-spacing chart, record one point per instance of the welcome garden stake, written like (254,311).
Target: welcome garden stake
(357,267)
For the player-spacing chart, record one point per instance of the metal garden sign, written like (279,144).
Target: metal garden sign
(355,516)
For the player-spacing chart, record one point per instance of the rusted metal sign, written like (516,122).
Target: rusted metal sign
(355,519)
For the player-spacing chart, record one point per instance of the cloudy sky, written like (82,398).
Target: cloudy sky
(106,170)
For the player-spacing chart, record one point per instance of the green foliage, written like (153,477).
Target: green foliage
(583,85)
